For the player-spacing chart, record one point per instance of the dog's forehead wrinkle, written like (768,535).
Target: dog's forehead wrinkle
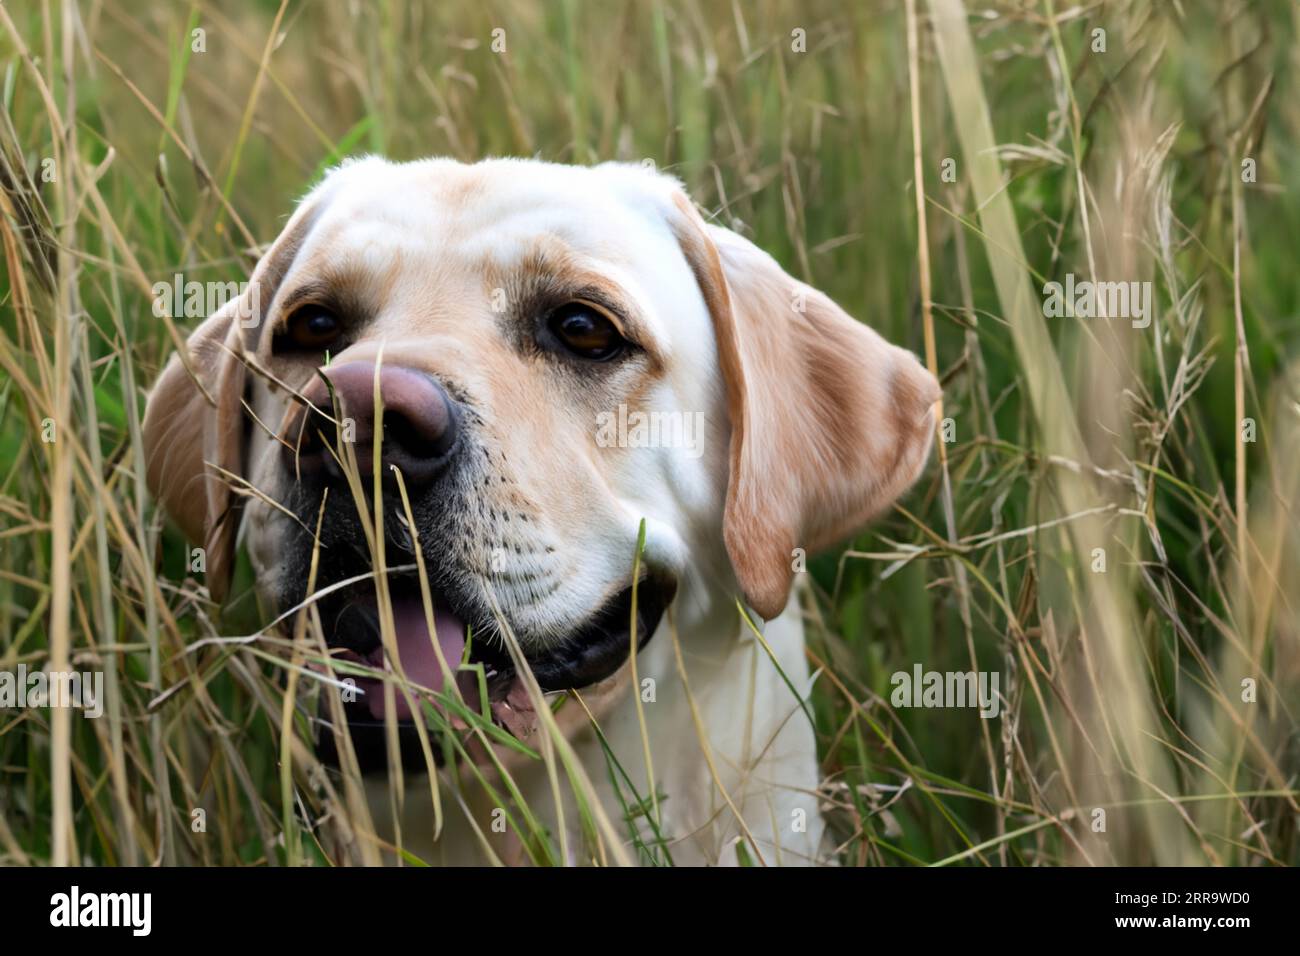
(490,208)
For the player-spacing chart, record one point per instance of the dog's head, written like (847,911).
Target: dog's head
(555,353)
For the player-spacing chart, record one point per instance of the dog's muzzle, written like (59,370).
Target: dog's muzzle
(451,639)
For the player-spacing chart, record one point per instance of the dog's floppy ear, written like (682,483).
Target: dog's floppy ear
(829,422)
(188,430)
(194,422)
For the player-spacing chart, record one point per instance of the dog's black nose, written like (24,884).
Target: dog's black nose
(419,423)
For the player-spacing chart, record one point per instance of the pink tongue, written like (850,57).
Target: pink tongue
(415,649)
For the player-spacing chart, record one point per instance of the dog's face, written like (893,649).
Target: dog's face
(556,354)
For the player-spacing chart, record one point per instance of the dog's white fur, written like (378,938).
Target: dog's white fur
(812,423)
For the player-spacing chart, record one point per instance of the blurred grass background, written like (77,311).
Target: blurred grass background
(128,155)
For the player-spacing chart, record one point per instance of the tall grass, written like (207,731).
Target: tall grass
(1126,734)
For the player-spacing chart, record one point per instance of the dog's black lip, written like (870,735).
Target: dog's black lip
(600,647)
(590,653)
(594,651)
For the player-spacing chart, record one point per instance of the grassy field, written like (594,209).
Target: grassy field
(1109,523)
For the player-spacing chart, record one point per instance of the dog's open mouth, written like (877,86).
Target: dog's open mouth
(476,660)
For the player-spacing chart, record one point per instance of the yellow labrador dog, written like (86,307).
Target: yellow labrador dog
(556,355)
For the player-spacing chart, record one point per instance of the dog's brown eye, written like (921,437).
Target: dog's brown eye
(310,329)
(586,332)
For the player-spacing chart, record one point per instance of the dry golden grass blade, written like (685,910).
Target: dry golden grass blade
(1120,706)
